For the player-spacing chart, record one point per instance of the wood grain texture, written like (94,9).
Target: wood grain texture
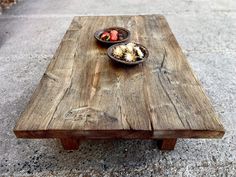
(84,94)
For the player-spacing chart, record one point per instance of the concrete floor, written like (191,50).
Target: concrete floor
(29,35)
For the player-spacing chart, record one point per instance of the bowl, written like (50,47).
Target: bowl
(142,48)
(123,31)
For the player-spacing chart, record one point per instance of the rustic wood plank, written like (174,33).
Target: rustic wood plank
(83,94)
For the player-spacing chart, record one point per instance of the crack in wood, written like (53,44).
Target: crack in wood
(124,120)
(147,101)
(52,117)
(65,92)
(163,58)
(51,76)
(164,89)
(188,123)
(167,94)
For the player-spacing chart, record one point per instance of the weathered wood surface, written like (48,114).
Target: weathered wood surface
(84,95)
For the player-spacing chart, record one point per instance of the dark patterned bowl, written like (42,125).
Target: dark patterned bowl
(125,33)
(111,56)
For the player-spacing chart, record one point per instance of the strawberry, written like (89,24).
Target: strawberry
(114,35)
(105,36)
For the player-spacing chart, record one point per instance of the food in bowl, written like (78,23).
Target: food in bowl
(130,52)
(112,35)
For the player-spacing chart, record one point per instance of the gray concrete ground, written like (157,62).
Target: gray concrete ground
(29,35)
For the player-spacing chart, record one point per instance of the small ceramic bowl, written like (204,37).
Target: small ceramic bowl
(111,56)
(122,31)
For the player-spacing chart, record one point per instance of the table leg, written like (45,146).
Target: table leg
(167,144)
(70,143)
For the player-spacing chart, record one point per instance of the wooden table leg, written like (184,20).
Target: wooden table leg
(70,143)
(167,144)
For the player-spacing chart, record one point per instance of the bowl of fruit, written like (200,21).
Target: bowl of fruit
(128,53)
(112,35)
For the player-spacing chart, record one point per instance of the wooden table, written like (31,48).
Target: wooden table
(83,95)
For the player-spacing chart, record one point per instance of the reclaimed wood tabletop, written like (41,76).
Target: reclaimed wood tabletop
(84,95)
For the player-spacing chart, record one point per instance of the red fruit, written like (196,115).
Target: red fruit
(114,35)
(114,32)
(105,36)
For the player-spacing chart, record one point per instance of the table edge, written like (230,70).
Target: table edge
(119,134)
